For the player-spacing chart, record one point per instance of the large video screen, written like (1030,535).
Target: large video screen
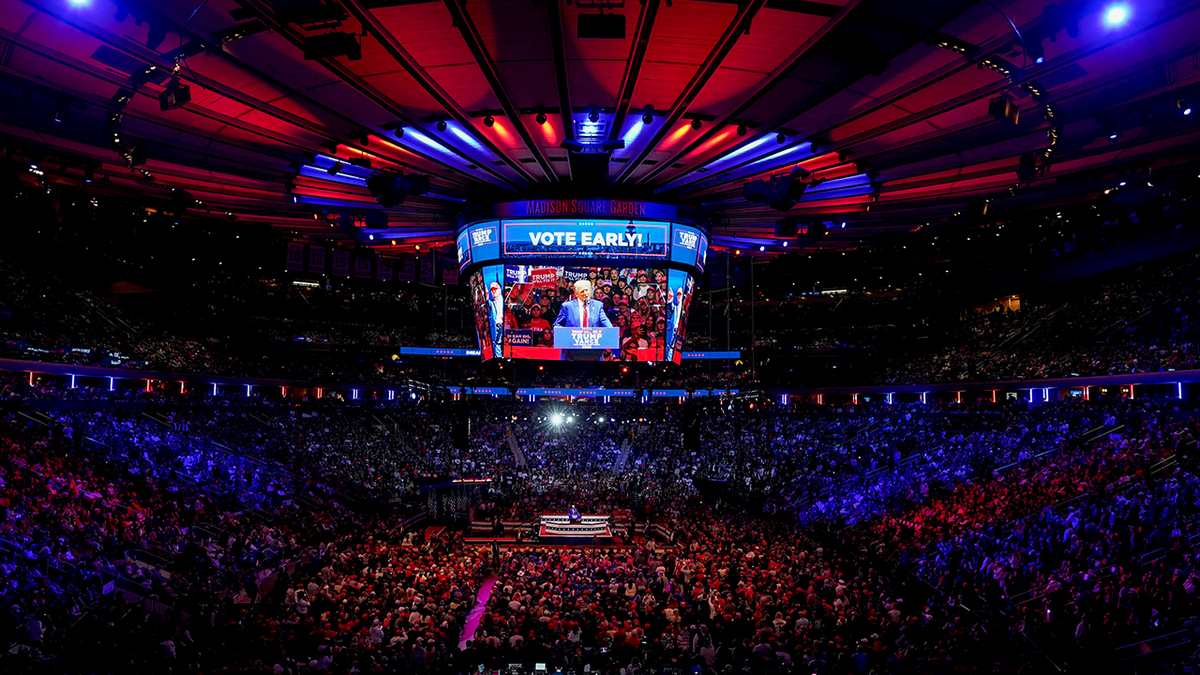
(581,313)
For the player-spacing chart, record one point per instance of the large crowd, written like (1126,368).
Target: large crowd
(280,536)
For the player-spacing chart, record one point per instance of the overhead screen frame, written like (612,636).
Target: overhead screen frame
(481,236)
(568,234)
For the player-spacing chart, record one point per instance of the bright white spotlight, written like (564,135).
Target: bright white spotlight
(1116,15)
(601,417)
(556,419)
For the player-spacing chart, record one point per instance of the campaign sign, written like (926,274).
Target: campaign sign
(587,338)
(689,246)
(602,239)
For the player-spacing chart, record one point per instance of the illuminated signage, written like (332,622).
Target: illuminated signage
(604,239)
(584,207)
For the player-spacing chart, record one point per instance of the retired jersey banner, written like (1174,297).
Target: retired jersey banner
(407,270)
(427,270)
(316,259)
(341,262)
(383,269)
(450,276)
(295,257)
(362,268)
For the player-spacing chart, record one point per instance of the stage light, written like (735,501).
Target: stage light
(1116,15)
(780,138)
(601,420)
(441,125)
(61,108)
(648,114)
(556,419)
(541,117)
(762,248)
(696,124)
(593,116)
(489,121)
(785,244)
(336,168)
(371,237)
(399,132)
(1184,106)
(843,224)
(741,130)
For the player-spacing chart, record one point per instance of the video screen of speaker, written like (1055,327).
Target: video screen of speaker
(581,313)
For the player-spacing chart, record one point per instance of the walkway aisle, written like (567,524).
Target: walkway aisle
(473,619)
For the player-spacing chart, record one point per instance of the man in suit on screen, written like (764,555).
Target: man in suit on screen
(582,311)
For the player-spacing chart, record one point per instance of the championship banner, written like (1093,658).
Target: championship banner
(362,268)
(383,269)
(316,259)
(295,257)
(450,276)
(341,262)
(407,271)
(427,271)
(587,338)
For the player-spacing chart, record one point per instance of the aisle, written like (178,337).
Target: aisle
(476,614)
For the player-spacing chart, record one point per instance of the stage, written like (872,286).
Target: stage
(557,528)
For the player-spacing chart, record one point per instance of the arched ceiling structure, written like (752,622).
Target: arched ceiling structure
(887,106)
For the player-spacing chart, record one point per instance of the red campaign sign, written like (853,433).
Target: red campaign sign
(544,278)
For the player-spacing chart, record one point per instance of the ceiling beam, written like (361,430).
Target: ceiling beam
(355,82)
(928,112)
(814,42)
(405,60)
(554,23)
(738,27)
(470,35)
(633,65)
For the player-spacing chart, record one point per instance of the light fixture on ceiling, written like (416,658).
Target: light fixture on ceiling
(441,125)
(541,116)
(1184,107)
(696,124)
(336,168)
(489,121)
(1116,15)
(648,114)
(593,116)
(741,130)
(780,138)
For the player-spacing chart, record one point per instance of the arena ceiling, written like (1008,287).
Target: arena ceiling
(887,106)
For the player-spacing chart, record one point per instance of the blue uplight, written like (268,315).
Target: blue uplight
(1116,15)
(466,138)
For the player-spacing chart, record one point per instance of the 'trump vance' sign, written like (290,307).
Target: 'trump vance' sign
(586,238)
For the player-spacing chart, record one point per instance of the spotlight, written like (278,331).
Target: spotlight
(762,248)
(843,224)
(336,168)
(785,244)
(399,132)
(696,124)
(489,121)
(1116,15)
(89,173)
(371,237)
(593,116)
(1110,130)
(780,138)
(741,130)
(60,110)
(1184,106)
(441,125)
(648,114)
(556,419)
(541,116)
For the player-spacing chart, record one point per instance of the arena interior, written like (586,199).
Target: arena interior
(605,337)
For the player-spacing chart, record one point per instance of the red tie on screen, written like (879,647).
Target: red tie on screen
(585,323)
